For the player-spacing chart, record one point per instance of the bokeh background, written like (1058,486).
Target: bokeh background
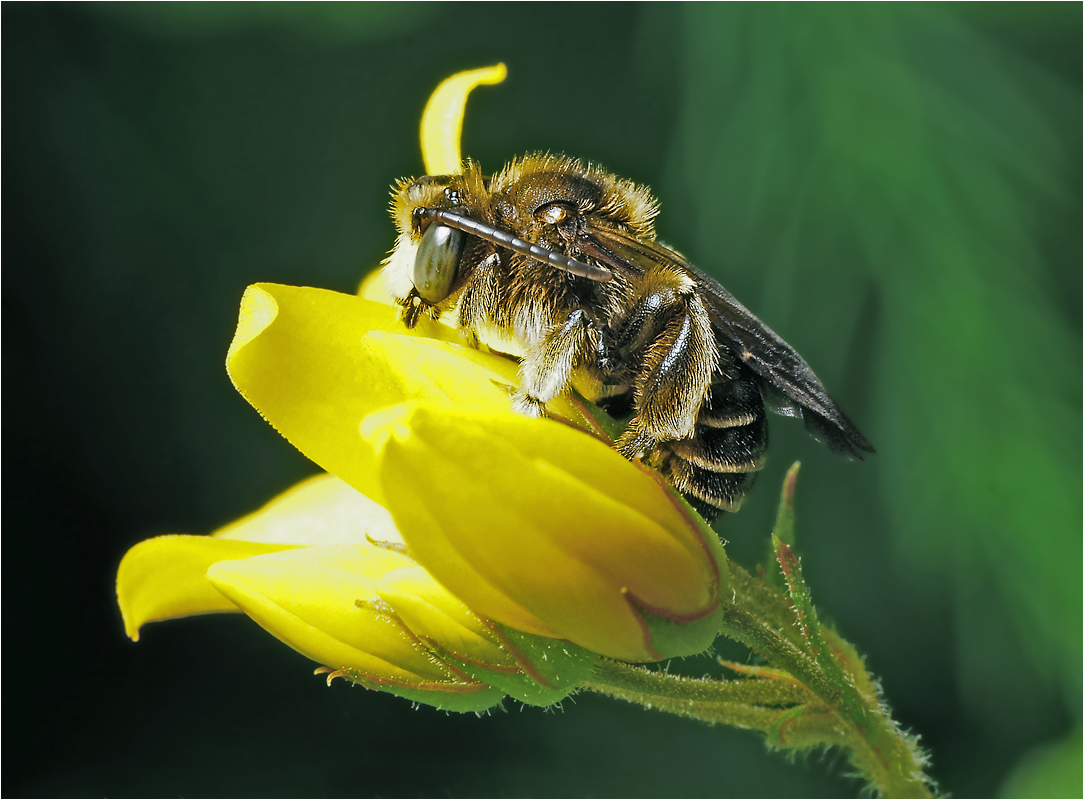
(895,189)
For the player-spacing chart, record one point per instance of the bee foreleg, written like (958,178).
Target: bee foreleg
(414,306)
(479,295)
(675,380)
(547,368)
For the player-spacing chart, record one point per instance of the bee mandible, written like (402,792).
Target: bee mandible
(556,262)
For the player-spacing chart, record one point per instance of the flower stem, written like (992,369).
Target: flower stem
(813,692)
(849,716)
(750,704)
(786,712)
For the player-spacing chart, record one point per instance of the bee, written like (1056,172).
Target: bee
(556,262)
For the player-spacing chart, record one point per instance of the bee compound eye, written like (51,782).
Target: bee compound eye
(554,213)
(437,262)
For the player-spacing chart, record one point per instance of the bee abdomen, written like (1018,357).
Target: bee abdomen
(738,449)
(717,465)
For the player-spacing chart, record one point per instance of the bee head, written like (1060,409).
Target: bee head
(427,255)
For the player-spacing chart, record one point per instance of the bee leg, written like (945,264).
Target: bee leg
(479,294)
(414,306)
(547,368)
(675,380)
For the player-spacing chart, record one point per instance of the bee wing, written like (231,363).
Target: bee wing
(791,387)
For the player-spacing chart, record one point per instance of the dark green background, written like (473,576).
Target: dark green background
(895,189)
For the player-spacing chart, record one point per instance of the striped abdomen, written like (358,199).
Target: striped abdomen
(717,465)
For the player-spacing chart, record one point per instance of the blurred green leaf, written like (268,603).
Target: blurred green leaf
(345,21)
(842,156)
(1054,770)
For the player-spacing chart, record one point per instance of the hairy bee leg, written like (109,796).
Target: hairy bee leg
(547,368)
(414,306)
(479,295)
(647,318)
(676,378)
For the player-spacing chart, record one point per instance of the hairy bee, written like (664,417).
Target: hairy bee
(556,263)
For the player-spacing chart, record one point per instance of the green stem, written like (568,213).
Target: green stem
(751,704)
(816,700)
(884,754)
(814,690)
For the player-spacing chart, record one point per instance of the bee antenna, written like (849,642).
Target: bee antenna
(505,238)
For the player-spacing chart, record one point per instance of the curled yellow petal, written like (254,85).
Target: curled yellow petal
(164,578)
(296,358)
(442,120)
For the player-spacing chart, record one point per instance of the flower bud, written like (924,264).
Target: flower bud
(548,530)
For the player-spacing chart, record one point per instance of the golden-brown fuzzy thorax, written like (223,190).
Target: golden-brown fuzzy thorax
(619,201)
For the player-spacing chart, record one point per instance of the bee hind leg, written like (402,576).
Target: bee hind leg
(675,380)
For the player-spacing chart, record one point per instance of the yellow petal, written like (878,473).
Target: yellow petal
(320,510)
(308,598)
(315,363)
(430,370)
(442,120)
(373,287)
(543,528)
(297,357)
(164,578)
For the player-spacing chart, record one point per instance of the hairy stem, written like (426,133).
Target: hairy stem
(878,748)
(810,696)
(751,704)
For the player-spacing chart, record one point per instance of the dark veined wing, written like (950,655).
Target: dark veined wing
(792,387)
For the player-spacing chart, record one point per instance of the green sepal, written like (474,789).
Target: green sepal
(608,426)
(550,669)
(784,526)
(808,623)
(463,700)
(804,727)
(672,638)
(840,666)
(852,665)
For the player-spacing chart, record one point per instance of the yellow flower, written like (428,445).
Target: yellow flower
(531,546)
(535,524)
(306,568)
